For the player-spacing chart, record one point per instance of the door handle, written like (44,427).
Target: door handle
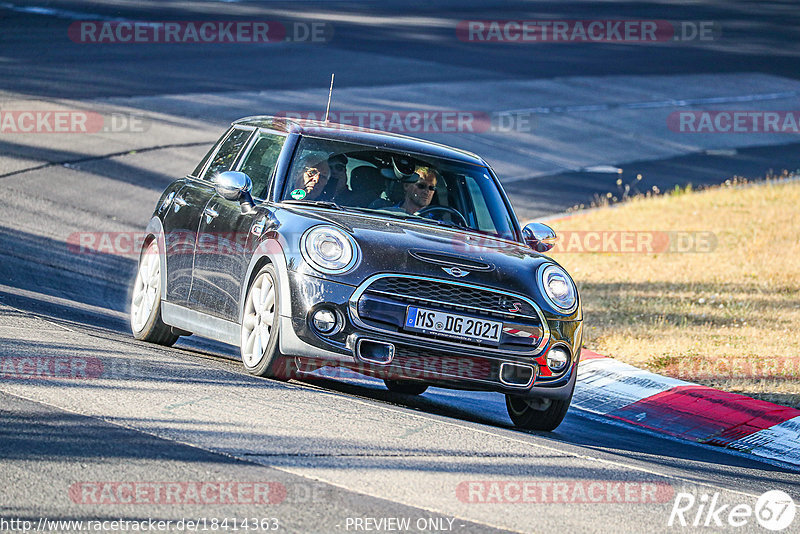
(179,201)
(211,213)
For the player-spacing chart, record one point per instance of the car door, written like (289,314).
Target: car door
(221,256)
(183,218)
(180,227)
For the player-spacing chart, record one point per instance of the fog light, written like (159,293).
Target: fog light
(325,320)
(557,358)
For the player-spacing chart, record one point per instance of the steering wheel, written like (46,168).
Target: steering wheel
(447,209)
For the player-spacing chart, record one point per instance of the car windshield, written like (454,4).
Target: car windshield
(412,186)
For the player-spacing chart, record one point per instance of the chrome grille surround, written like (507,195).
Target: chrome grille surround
(511,317)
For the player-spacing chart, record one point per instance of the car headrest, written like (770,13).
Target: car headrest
(366,179)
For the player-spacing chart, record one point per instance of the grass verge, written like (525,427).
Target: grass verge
(702,286)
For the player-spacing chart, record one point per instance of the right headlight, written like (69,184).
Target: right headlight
(558,287)
(328,249)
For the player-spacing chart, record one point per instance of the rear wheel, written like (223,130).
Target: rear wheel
(146,323)
(405,387)
(537,413)
(261,353)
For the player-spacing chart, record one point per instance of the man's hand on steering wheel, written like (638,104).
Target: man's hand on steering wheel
(455,214)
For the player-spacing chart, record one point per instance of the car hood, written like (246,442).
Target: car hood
(394,245)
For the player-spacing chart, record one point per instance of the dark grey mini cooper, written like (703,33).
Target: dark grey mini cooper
(312,244)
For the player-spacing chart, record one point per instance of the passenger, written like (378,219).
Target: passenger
(419,194)
(337,184)
(311,177)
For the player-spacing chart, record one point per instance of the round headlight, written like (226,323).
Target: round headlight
(328,249)
(558,288)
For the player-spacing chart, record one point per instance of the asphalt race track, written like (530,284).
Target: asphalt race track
(343,454)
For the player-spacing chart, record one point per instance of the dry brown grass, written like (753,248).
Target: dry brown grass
(729,318)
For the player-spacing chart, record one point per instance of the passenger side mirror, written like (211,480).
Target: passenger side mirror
(539,237)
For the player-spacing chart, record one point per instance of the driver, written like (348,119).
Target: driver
(419,194)
(311,178)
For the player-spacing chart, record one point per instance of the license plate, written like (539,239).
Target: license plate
(453,325)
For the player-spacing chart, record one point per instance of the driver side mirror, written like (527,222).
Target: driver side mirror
(232,185)
(539,237)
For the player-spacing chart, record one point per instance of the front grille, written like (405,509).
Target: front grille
(415,290)
(382,303)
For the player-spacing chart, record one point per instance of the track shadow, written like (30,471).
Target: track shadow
(113,168)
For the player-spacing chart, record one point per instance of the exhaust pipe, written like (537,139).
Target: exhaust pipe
(517,375)
(374,351)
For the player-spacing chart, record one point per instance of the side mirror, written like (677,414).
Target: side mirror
(539,237)
(232,185)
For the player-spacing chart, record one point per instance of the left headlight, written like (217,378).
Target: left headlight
(558,287)
(329,250)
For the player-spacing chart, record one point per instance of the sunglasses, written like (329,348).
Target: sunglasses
(423,185)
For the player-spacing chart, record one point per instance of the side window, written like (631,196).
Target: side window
(227,152)
(197,170)
(260,162)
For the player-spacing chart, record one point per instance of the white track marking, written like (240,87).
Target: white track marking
(55,12)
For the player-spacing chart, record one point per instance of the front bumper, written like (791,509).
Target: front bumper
(435,362)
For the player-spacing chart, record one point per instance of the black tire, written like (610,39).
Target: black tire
(546,416)
(272,363)
(154,330)
(405,387)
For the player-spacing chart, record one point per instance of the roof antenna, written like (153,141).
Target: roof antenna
(330,93)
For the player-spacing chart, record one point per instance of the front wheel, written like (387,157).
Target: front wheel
(261,353)
(146,323)
(537,413)
(405,387)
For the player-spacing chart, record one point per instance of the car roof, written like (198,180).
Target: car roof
(364,136)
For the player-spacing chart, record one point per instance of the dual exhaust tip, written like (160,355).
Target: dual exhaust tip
(382,353)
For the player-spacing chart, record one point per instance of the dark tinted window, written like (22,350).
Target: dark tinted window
(230,148)
(260,162)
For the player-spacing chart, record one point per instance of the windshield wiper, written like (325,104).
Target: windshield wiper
(437,222)
(317,203)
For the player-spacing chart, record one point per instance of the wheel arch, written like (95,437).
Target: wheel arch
(155,231)
(269,252)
